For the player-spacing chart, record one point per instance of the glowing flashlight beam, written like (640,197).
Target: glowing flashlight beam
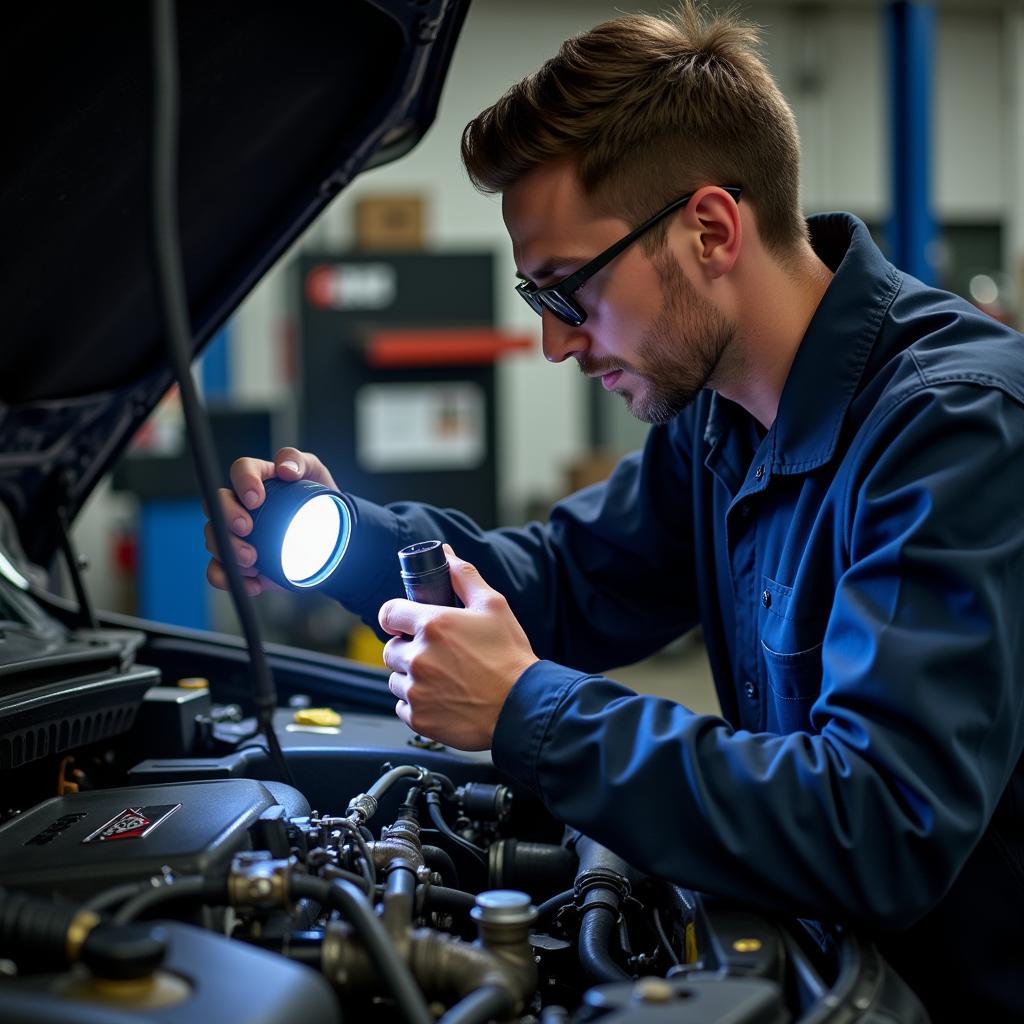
(311,539)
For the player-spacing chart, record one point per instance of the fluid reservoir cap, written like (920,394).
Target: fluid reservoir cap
(654,990)
(124,952)
(503,906)
(317,716)
(194,683)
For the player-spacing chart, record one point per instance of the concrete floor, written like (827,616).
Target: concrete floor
(680,673)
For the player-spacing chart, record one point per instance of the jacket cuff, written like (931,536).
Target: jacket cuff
(369,573)
(525,719)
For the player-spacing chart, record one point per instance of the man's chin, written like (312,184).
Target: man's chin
(653,410)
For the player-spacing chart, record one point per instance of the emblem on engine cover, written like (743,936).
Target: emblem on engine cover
(132,823)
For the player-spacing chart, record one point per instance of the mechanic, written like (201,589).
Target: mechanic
(832,487)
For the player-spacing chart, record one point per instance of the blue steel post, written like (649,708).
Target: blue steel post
(911,31)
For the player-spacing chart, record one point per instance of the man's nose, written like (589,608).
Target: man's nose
(560,340)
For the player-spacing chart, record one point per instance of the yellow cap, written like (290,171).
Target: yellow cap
(317,716)
(194,683)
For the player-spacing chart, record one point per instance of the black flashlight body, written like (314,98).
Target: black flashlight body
(425,574)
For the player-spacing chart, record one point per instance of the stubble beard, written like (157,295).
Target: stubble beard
(679,353)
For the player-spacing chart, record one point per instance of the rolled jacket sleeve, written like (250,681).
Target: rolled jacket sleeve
(609,579)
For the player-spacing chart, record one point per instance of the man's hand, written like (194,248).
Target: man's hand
(247,476)
(452,668)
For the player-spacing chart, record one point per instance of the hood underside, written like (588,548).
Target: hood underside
(281,105)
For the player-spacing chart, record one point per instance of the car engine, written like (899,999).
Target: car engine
(396,878)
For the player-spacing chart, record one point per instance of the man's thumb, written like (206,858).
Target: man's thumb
(467,582)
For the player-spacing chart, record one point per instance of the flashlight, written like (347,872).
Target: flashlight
(300,533)
(425,574)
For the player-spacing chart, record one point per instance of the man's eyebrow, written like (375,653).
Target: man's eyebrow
(550,266)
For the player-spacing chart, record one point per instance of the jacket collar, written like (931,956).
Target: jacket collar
(830,361)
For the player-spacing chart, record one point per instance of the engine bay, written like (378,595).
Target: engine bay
(175,877)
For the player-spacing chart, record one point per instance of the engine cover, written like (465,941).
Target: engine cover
(75,845)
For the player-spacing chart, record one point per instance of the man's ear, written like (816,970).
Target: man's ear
(714,217)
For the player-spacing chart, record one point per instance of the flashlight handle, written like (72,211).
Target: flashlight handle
(432,588)
(425,574)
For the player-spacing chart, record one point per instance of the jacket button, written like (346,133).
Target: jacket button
(750,690)
(759,472)
(766,599)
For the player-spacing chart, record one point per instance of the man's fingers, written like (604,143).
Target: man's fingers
(247,476)
(395,656)
(254,585)
(291,464)
(469,586)
(398,684)
(245,554)
(404,712)
(238,519)
(400,617)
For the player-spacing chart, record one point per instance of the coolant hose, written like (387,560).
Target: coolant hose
(438,897)
(399,899)
(441,861)
(33,930)
(556,902)
(40,935)
(105,900)
(487,1003)
(206,890)
(533,867)
(394,972)
(603,881)
(595,939)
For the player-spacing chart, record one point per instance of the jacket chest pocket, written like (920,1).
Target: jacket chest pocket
(791,649)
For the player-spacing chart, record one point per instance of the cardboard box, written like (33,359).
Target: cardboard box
(390,222)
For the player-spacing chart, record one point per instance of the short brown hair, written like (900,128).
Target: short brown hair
(647,108)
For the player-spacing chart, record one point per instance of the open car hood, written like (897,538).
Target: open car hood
(282,104)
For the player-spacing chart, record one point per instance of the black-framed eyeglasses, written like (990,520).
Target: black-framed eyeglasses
(558,296)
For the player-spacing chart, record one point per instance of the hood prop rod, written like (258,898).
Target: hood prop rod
(174,319)
(75,562)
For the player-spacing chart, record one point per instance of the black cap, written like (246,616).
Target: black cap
(418,559)
(126,951)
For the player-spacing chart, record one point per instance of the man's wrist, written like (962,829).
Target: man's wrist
(523,723)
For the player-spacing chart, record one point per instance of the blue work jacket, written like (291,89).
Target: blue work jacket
(858,571)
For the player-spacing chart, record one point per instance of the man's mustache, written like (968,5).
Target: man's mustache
(591,367)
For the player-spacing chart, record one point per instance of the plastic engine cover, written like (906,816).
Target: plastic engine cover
(76,845)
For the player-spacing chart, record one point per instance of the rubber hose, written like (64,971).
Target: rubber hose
(442,826)
(108,898)
(399,899)
(195,887)
(32,930)
(556,902)
(534,866)
(394,972)
(390,777)
(595,939)
(438,897)
(484,1004)
(441,861)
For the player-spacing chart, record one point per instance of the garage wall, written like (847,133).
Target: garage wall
(829,59)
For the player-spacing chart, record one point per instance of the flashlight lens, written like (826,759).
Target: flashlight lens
(313,541)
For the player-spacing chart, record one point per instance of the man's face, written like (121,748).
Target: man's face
(649,334)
